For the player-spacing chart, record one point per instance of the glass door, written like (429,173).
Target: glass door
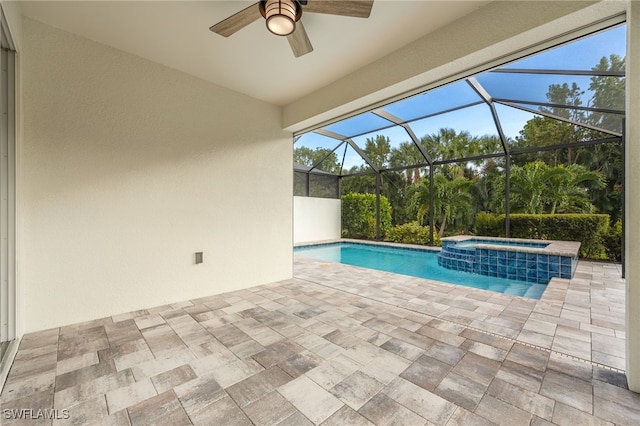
(7,191)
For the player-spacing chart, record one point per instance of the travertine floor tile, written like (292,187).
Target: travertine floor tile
(197,394)
(361,347)
(565,415)
(346,416)
(310,399)
(172,378)
(526,400)
(223,411)
(464,417)
(269,410)
(461,390)
(356,389)
(130,395)
(432,407)
(502,413)
(71,396)
(477,368)
(164,408)
(568,390)
(258,385)
(404,349)
(382,410)
(426,372)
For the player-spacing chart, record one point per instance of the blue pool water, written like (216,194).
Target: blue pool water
(416,263)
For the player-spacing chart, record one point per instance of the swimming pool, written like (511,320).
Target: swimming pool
(416,263)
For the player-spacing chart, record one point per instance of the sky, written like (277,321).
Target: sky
(582,54)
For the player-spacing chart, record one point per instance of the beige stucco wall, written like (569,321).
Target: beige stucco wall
(632,201)
(128,168)
(316,219)
(13,17)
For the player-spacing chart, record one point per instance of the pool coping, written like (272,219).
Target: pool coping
(368,242)
(554,247)
(403,246)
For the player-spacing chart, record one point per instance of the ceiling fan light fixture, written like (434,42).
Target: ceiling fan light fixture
(281,15)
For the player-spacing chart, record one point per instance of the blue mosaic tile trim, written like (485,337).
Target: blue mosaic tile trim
(525,244)
(531,267)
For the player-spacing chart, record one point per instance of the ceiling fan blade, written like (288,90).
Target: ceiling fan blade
(299,41)
(238,21)
(355,8)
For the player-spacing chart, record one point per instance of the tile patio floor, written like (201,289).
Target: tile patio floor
(339,345)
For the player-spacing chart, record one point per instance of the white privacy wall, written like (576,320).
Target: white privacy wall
(316,219)
(127,169)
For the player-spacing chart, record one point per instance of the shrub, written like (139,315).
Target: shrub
(412,233)
(612,242)
(489,225)
(589,229)
(359,216)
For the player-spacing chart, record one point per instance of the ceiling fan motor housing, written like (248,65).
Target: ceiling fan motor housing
(283,18)
(281,15)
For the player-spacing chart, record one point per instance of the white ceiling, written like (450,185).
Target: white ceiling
(252,61)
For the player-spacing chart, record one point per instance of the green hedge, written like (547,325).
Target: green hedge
(412,233)
(359,216)
(489,225)
(590,229)
(613,242)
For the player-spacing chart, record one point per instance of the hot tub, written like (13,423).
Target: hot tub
(513,258)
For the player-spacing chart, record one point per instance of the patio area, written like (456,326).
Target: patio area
(339,345)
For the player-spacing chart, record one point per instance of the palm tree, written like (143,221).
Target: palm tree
(447,144)
(528,185)
(452,202)
(407,154)
(537,188)
(566,191)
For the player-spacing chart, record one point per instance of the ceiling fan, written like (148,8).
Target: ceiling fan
(283,18)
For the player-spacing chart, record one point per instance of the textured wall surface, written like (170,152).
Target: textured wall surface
(632,201)
(127,169)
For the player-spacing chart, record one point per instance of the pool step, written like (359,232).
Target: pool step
(458,258)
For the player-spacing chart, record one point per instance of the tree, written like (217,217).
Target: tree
(321,158)
(608,93)
(404,155)
(378,150)
(568,189)
(537,188)
(447,144)
(359,216)
(528,185)
(483,189)
(546,131)
(452,203)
